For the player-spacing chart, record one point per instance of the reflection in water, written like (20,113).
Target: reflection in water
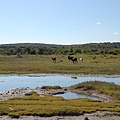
(71,95)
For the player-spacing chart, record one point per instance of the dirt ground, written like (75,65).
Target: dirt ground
(94,116)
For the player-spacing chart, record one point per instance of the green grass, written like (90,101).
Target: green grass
(43,64)
(110,89)
(48,105)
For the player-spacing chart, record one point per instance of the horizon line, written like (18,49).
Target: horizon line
(57,43)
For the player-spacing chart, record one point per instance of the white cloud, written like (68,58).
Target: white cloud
(98,23)
(115,33)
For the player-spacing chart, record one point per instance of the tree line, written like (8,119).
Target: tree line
(49,49)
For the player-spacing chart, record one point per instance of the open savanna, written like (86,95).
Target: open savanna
(103,64)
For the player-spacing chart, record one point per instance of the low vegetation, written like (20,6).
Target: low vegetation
(103,64)
(48,105)
(110,89)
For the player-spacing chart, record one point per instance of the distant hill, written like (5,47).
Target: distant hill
(22,45)
(48,49)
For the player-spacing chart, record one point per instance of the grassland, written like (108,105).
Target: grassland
(103,64)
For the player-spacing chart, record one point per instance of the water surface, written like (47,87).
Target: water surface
(9,82)
(72,95)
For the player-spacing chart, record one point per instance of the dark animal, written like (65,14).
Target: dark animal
(54,59)
(94,57)
(70,57)
(74,60)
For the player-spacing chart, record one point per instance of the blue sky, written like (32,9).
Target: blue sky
(59,21)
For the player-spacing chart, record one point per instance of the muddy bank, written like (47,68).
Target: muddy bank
(93,116)
(20,92)
(71,75)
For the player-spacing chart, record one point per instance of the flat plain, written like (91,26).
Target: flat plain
(30,64)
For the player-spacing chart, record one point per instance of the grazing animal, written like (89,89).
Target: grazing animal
(74,60)
(70,57)
(81,59)
(94,57)
(54,59)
